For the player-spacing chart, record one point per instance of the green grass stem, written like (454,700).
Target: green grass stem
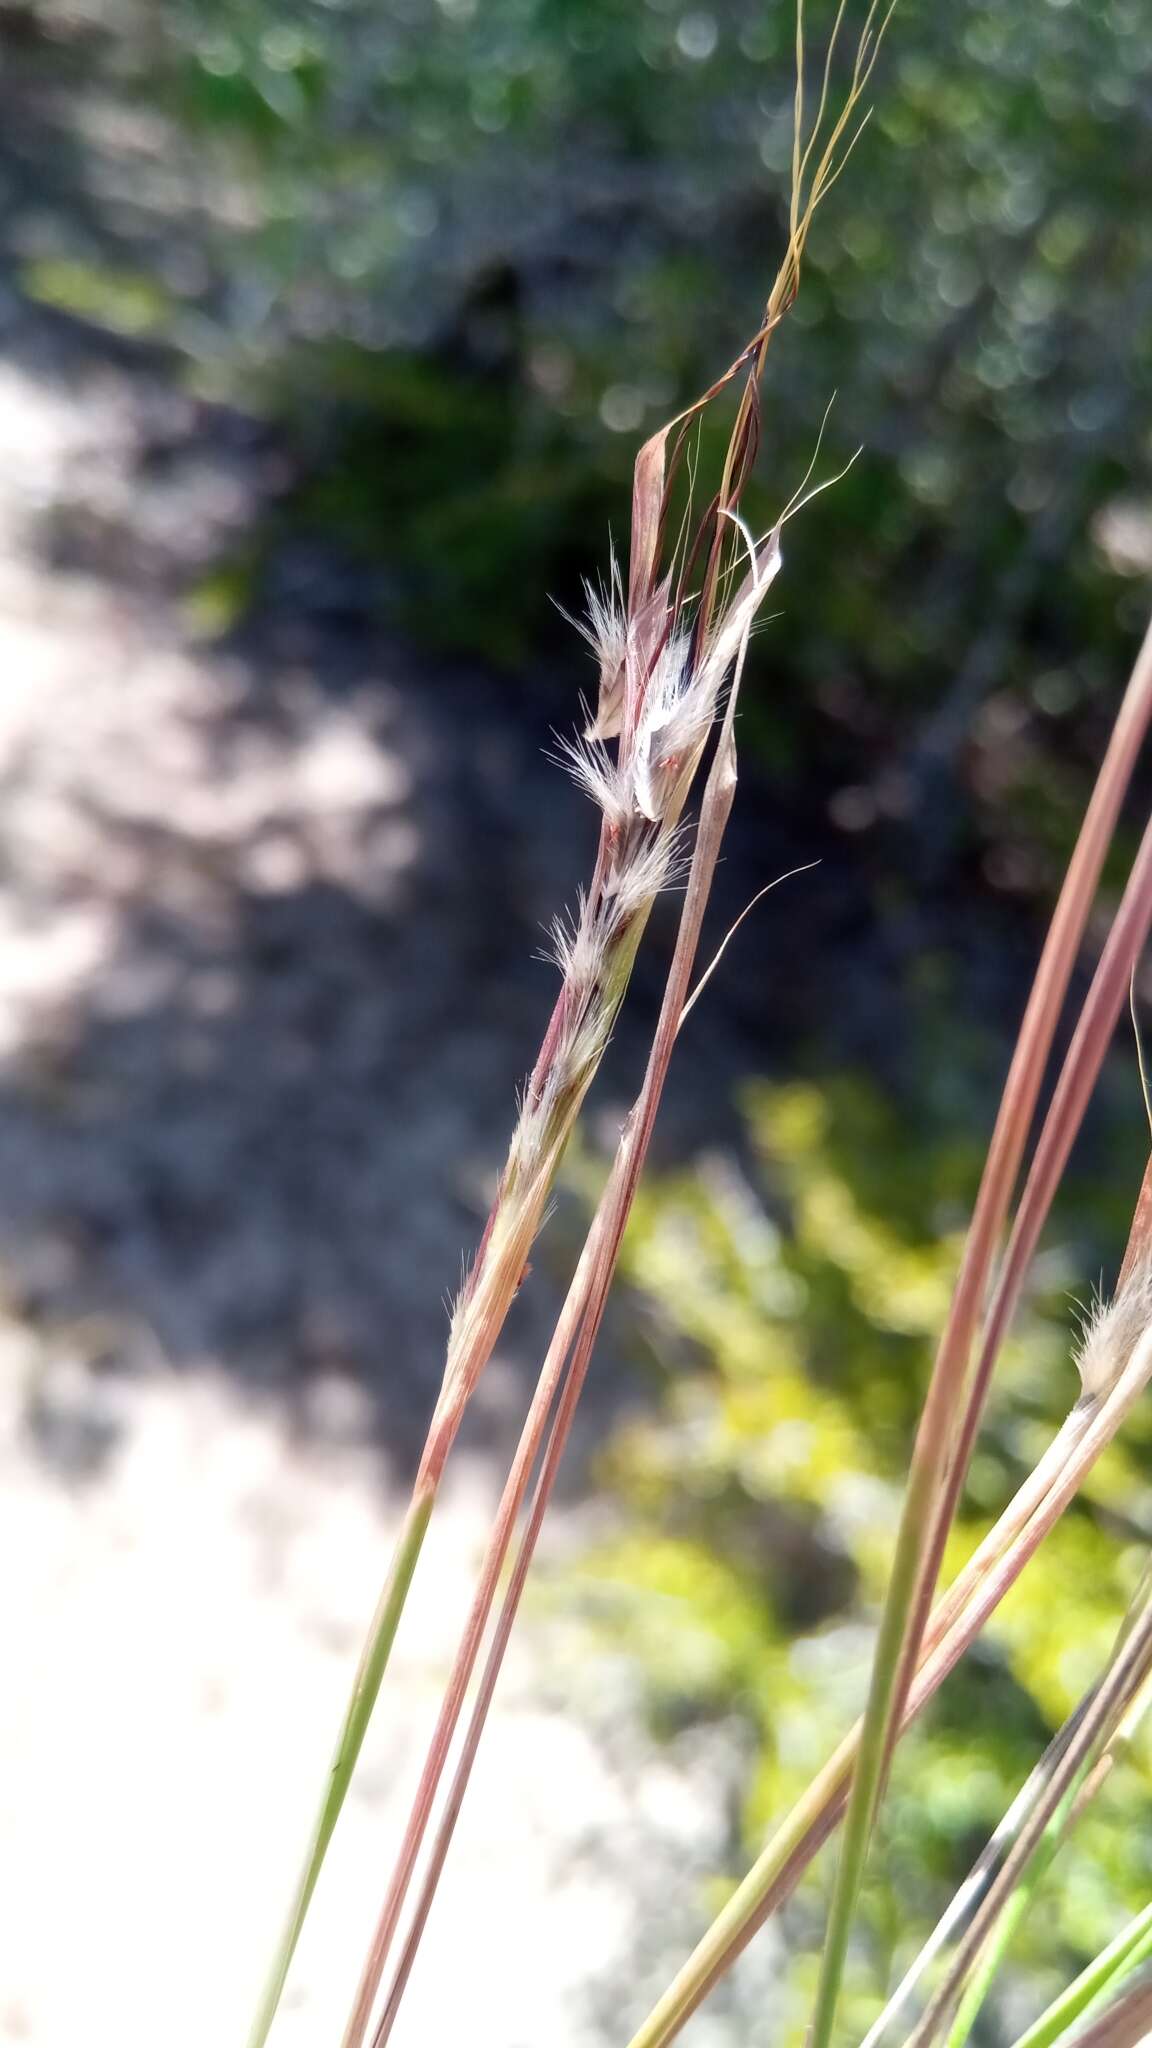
(1130,1948)
(373,1663)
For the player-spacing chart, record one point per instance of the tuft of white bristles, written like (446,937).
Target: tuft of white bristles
(600,777)
(605,628)
(657,865)
(575,945)
(1112,1331)
(640,788)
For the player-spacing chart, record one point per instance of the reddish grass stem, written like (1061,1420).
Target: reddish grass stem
(951,1410)
(955,1399)
(576,1333)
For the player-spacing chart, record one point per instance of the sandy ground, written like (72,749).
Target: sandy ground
(243,1123)
(185,1629)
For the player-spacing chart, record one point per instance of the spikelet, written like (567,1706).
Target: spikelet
(600,777)
(1112,1331)
(574,945)
(662,677)
(659,864)
(606,631)
(678,712)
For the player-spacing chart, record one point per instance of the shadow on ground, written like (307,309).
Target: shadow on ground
(271,901)
(272,908)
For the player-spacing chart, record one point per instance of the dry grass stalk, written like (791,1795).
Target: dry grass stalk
(663,658)
(571,1349)
(665,653)
(951,1410)
(954,1623)
(988,1905)
(1110,1341)
(572,1340)
(1095,1722)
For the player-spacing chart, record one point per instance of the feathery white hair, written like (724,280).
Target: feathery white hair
(1112,1330)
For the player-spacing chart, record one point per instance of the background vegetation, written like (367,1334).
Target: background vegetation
(456,259)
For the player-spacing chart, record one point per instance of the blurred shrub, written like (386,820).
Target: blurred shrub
(508,238)
(571,210)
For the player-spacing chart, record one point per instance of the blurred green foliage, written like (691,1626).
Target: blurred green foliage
(574,210)
(474,252)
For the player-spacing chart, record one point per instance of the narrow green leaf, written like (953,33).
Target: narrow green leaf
(1131,1947)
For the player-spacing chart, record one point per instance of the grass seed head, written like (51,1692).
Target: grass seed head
(1112,1331)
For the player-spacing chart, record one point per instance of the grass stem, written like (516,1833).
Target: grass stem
(1130,1948)
(373,1661)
